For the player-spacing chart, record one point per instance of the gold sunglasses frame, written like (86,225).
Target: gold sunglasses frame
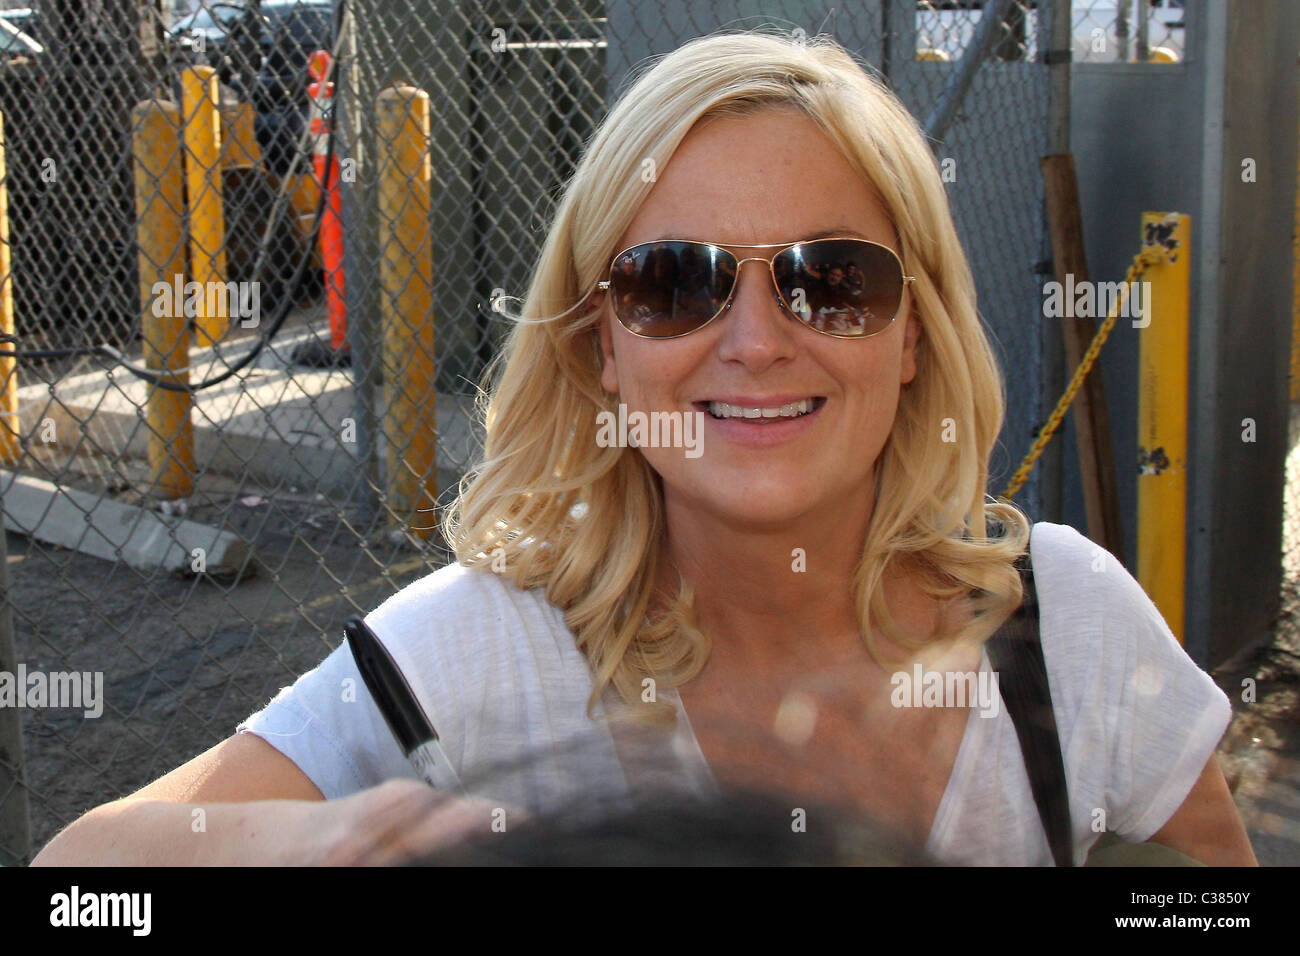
(605,284)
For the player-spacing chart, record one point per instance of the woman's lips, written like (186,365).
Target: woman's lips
(760,431)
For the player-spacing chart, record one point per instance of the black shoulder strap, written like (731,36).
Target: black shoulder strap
(1016,654)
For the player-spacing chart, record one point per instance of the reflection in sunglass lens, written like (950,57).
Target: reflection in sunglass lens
(840,286)
(663,289)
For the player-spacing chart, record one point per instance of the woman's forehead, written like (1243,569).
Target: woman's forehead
(768,177)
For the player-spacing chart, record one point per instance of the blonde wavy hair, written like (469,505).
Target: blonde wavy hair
(585,522)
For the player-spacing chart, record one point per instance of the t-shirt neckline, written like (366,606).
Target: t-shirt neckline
(688,745)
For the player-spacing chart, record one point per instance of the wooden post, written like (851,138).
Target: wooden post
(1091,420)
(1295,296)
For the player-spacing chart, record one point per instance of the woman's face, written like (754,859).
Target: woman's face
(769,177)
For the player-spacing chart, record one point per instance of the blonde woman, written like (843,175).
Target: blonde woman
(832,531)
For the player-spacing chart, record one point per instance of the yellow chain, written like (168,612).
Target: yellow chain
(1149,256)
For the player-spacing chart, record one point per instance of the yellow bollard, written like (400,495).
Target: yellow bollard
(10,441)
(1162,429)
(202,125)
(406,290)
(304,197)
(160,257)
(239,146)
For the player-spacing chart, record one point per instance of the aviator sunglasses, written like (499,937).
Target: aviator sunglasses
(848,288)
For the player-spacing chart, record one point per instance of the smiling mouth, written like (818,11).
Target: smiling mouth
(721,411)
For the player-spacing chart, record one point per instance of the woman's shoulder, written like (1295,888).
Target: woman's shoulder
(1107,647)
(1078,577)
(453,583)
(1090,607)
(460,601)
(1137,717)
(1106,644)
(493,666)
(475,634)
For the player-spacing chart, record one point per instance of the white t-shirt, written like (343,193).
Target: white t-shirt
(498,673)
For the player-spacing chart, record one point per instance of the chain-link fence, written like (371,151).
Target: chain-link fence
(1129,31)
(237,399)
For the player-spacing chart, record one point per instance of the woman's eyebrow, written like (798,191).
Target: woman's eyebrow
(820,234)
(838,231)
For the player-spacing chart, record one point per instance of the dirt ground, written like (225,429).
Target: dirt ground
(184,660)
(1260,753)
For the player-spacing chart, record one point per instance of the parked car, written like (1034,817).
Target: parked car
(15,43)
(262,57)
(25,19)
(205,35)
(279,95)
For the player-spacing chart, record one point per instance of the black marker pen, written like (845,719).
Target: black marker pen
(405,718)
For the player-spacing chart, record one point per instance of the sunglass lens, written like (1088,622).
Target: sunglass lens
(841,286)
(664,289)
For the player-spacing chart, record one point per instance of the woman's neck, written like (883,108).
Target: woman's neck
(768,590)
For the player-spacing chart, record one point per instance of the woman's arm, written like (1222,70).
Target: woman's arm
(1207,827)
(249,793)
(258,808)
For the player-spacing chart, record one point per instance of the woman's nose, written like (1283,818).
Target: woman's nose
(760,281)
(757,330)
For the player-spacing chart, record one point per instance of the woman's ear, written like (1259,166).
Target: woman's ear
(608,368)
(911,335)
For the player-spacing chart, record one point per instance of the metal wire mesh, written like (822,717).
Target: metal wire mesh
(1129,31)
(196,605)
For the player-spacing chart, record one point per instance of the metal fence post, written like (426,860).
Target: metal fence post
(11,430)
(15,829)
(351,118)
(987,35)
(14,820)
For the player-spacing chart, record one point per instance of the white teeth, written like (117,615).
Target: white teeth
(789,410)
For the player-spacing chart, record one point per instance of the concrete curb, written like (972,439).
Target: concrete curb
(112,530)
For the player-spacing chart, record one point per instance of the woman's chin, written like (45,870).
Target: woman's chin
(766,504)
